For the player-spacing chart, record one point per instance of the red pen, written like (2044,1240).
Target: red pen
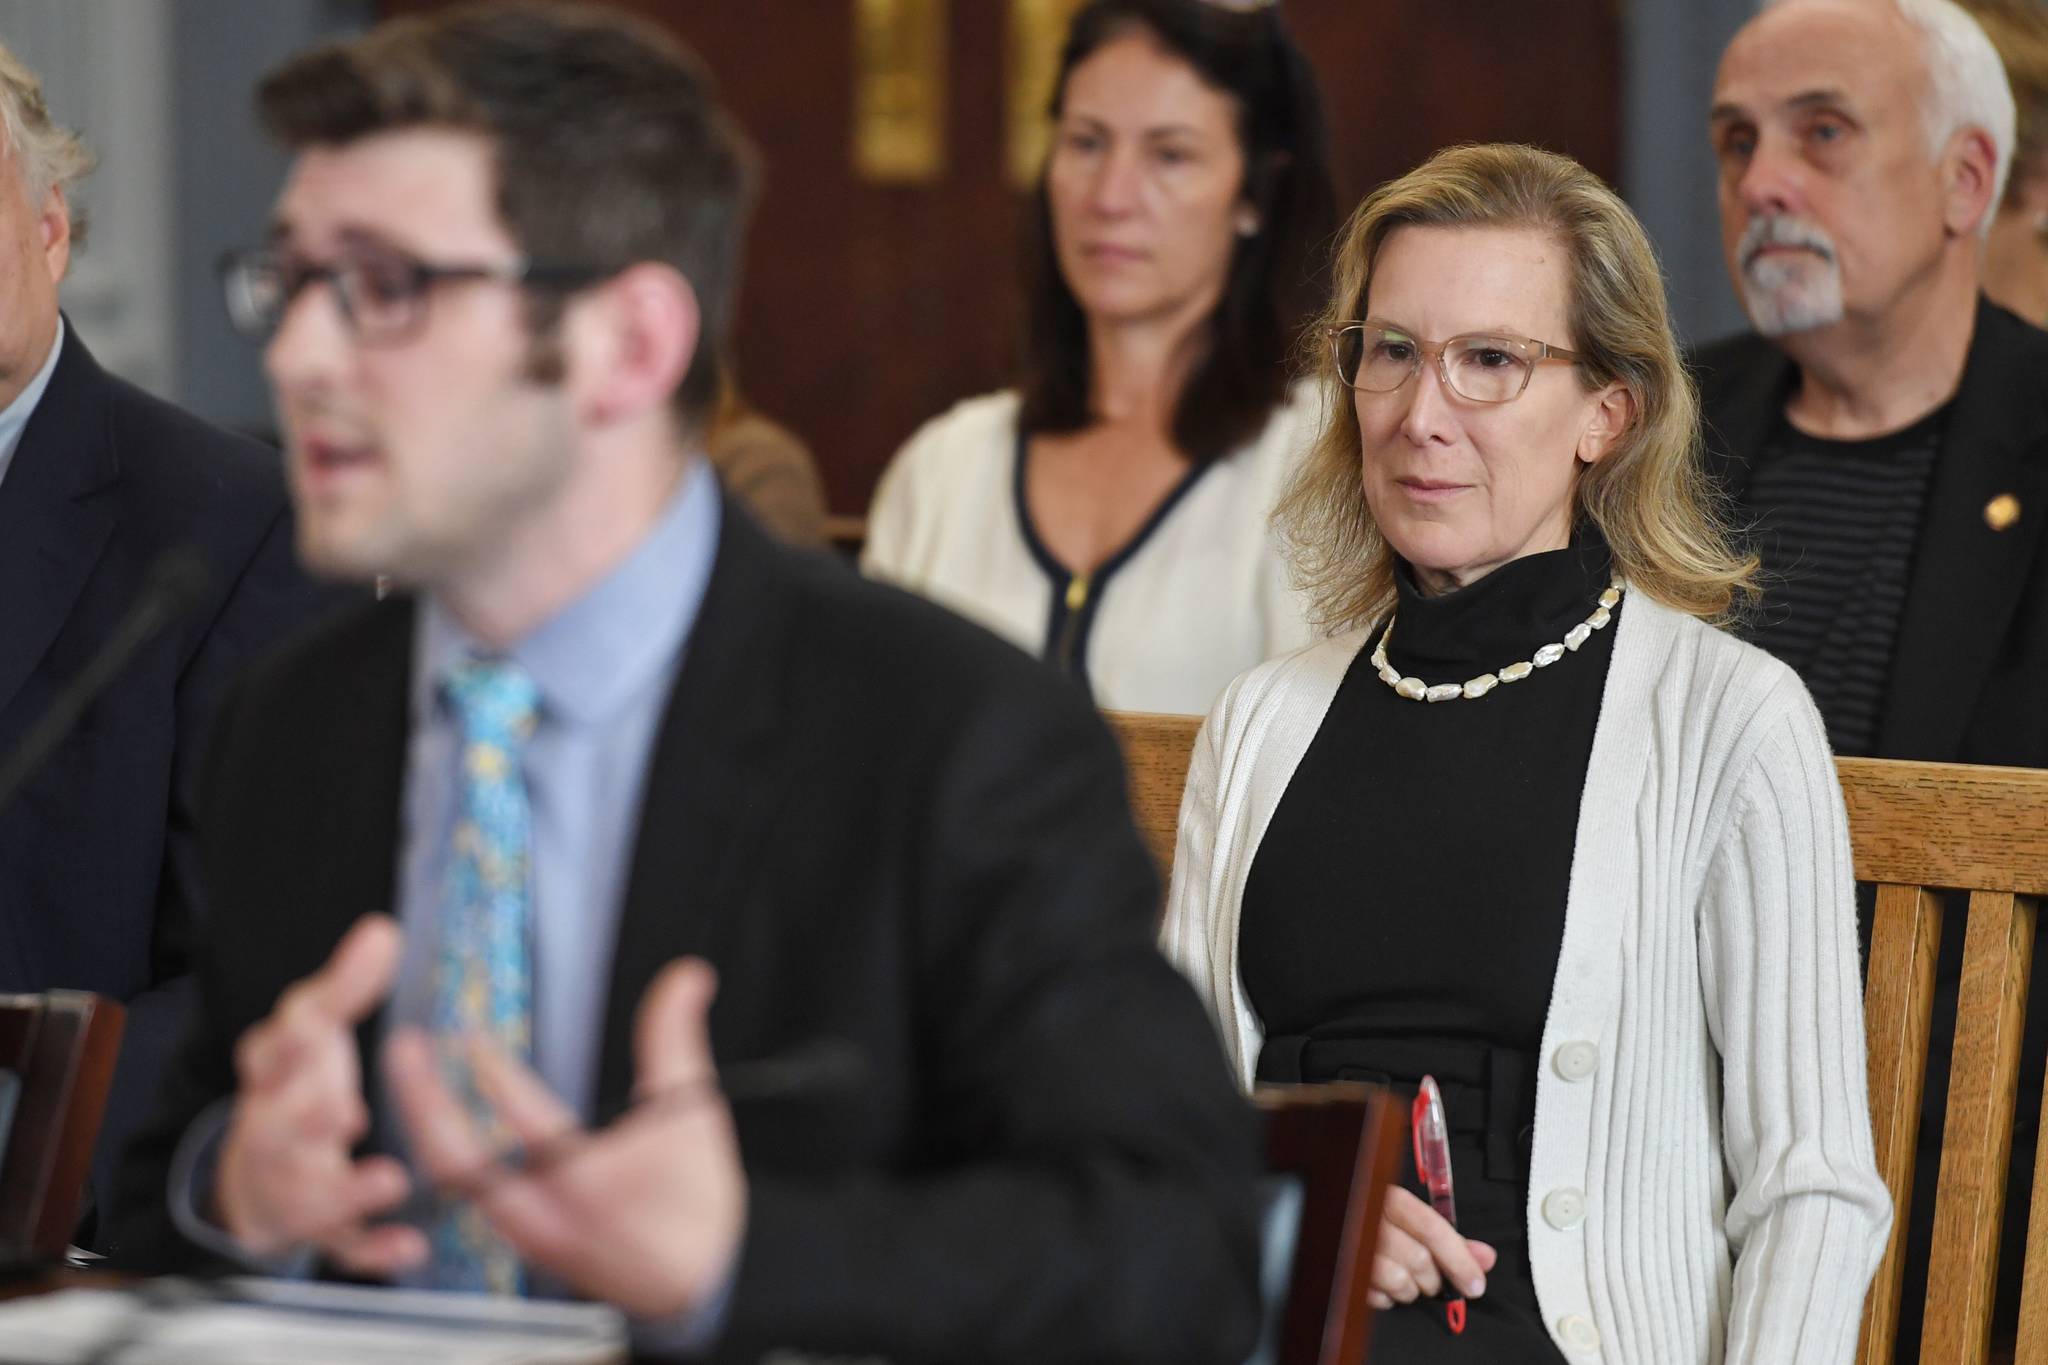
(1433,1168)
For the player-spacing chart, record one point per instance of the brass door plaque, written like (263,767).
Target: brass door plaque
(899,90)
(1038,29)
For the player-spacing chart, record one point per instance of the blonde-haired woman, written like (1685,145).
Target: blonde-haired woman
(1530,823)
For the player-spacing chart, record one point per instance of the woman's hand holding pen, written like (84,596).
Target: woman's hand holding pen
(646,1213)
(1419,1250)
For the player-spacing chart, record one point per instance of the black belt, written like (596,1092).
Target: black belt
(1486,1090)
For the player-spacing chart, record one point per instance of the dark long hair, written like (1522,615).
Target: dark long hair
(1276,275)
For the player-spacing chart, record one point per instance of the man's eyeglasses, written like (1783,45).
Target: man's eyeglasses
(1374,357)
(382,294)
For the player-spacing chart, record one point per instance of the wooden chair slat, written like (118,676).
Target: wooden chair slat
(1898,1008)
(2033,1333)
(1156,753)
(846,534)
(1948,825)
(1976,1145)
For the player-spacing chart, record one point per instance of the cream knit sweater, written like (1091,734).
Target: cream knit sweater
(1202,597)
(1702,1185)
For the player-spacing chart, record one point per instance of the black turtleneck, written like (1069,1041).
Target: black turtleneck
(1412,881)
(1405,909)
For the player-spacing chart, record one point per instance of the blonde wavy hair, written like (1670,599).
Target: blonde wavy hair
(1650,495)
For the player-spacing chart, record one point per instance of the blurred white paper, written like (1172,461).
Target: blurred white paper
(280,1322)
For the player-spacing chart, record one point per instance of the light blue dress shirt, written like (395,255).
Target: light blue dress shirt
(605,666)
(14,417)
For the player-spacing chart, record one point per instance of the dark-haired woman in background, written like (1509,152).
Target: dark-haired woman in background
(1112,513)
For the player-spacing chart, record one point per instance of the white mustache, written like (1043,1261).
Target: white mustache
(1780,229)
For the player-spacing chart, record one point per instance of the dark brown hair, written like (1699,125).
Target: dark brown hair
(610,146)
(1275,278)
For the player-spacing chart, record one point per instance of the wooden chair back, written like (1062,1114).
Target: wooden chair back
(846,535)
(1156,753)
(1919,829)
(60,1048)
(1916,830)
(1343,1144)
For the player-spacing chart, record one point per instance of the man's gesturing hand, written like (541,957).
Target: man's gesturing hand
(646,1213)
(286,1178)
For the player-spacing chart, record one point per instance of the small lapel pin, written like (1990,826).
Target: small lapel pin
(2001,512)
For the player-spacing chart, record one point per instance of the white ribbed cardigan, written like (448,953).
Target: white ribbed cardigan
(1720,1146)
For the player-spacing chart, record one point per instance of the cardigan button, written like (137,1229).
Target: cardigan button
(1564,1209)
(1576,1061)
(1579,1334)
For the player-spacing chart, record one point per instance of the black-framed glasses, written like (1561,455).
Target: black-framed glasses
(382,295)
(1485,367)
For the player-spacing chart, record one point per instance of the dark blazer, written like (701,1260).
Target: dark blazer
(879,823)
(96,853)
(1968,670)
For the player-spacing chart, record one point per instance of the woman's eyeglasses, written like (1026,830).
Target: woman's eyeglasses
(1484,367)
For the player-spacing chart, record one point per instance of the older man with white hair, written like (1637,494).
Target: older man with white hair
(1886,433)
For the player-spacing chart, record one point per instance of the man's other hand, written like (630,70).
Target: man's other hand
(286,1178)
(645,1214)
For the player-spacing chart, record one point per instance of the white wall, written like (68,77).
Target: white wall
(228,174)
(1670,51)
(105,70)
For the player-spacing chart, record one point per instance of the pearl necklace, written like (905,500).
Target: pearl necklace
(1415,689)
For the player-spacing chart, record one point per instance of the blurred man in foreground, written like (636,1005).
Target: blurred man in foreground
(616,739)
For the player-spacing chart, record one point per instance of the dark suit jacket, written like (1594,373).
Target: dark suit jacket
(881,824)
(1969,667)
(96,853)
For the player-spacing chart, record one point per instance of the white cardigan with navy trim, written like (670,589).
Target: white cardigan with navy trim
(1730,1206)
(1200,597)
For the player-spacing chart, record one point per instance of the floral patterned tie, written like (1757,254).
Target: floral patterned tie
(483,974)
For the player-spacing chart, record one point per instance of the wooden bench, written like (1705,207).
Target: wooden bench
(1916,829)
